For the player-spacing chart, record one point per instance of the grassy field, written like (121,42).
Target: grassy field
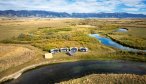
(12,28)
(135,37)
(28,40)
(9,55)
(108,79)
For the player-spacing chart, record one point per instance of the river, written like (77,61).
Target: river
(55,73)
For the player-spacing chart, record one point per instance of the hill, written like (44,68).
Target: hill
(51,14)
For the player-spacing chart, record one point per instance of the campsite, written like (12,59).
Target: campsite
(39,36)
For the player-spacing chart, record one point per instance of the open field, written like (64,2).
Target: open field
(12,28)
(28,40)
(11,56)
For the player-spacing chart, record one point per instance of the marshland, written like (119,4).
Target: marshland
(24,41)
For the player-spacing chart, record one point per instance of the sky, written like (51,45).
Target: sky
(78,6)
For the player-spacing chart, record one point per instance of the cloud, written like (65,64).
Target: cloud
(131,9)
(86,6)
(133,3)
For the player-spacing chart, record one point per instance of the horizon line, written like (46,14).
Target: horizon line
(70,13)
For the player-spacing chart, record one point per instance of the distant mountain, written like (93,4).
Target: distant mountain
(26,13)
(108,15)
(50,14)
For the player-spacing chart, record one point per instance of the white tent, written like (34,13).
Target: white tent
(48,55)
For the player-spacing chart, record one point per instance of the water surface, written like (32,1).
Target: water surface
(108,42)
(51,74)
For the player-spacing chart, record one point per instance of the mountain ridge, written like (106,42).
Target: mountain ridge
(51,14)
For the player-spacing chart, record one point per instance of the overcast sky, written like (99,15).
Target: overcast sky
(80,6)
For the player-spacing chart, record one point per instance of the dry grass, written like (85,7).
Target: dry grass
(56,33)
(108,79)
(11,56)
(12,28)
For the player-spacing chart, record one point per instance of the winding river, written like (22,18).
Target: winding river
(108,42)
(55,73)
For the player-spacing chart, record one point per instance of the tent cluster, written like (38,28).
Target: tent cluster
(70,51)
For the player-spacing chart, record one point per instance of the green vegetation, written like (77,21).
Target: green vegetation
(128,40)
(50,33)
(135,37)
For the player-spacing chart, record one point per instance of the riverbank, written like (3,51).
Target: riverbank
(61,57)
(108,79)
(125,44)
(134,37)
(45,35)
(18,73)
(111,43)
(77,69)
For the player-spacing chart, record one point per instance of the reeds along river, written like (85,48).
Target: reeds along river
(108,42)
(55,73)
